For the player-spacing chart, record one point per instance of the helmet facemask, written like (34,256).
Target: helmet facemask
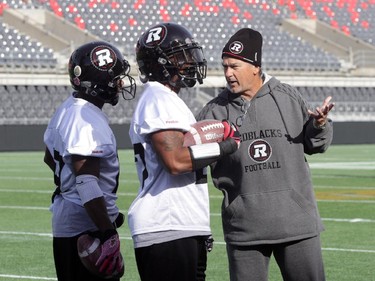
(188,63)
(124,84)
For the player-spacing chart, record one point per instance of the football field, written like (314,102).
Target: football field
(344,180)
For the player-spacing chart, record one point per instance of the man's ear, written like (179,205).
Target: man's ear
(256,70)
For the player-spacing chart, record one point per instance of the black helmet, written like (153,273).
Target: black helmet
(95,68)
(166,50)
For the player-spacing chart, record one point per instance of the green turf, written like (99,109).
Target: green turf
(344,180)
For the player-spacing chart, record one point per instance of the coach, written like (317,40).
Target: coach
(269,205)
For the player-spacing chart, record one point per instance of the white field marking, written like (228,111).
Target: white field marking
(25,208)
(32,208)
(211,196)
(320,200)
(331,177)
(349,201)
(344,165)
(216,242)
(325,219)
(354,220)
(326,249)
(344,187)
(26,191)
(348,250)
(48,235)
(51,191)
(26,277)
(24,233)
(51,179)
(27,178)
(14,167)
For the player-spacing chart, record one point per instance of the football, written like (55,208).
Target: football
(204,131)
(89,251)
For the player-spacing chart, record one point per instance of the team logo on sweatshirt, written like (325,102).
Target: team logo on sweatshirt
(260,151)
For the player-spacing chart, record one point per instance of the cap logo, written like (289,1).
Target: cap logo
(236,47)
(155,36)
(103,58)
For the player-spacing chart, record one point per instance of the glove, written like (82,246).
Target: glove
(110,258)
(231,131)
(231,140)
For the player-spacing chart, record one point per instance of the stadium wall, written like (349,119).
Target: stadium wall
(30,137)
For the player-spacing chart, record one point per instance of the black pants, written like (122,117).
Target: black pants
(183,260)
(67,263)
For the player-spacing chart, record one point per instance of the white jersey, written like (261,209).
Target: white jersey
(80,128)
(165,202)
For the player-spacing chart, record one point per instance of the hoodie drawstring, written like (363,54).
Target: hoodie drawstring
(281,114)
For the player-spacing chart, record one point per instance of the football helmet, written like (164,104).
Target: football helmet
(166,50)
(98,69)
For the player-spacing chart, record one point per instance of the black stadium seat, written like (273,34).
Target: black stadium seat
(121,22)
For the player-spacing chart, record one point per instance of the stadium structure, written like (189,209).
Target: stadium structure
(323,47)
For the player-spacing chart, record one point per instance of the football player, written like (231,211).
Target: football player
(169,218)
(81,151)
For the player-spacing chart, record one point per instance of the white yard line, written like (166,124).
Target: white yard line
(344,165)
(26,277)
(37,208)
(51,179)
(132,194)
(216,242)
(51,191)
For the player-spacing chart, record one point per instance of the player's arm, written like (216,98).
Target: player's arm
(87,171)
(48,159)
(168,146)
(177,159)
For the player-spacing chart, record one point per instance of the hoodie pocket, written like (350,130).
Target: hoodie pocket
(272,216)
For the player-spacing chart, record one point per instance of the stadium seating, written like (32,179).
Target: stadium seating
(35,104)
(18,53)
(212,22)
(121,22)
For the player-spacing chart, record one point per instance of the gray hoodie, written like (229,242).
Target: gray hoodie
(268,193)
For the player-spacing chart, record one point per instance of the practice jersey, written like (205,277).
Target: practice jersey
(80,128)
(165,202)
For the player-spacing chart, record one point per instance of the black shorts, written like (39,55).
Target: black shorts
(67,263)
(183,260)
